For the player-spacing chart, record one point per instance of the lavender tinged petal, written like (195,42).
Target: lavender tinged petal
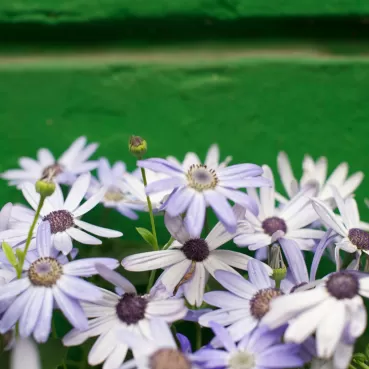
(165,184)
(161,165)
(295,259)
(240,198)
(235,284)
(13,288)
(176,227)
(79,289)
(280,356)
(86,267)
(14,311)
(5,213)
(72,309)
(324,242)
(261,254)
(43,326)
(223,335)
(184,343)
(115,278)
(222,209)
(258,274)
(43,239)
(179,201)
(245,182)
(31,312)
(195,217)
(127,211)
(240,170)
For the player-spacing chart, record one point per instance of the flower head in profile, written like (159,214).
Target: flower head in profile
(160,351)
(348,226)
(72,163)
(317,171)
(258,349)
(63,215)
(121,314)
(117,194)
(244,303)
(288,225)
(331,310)
(198,186)
(49,279)
(190,259)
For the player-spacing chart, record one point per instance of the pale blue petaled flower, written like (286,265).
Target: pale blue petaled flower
(64,217)
(160,351)
(190,260)
(258,349)
(25,354)
(317,172)
(331,310)
(48,280)
(198,186)
(287,225)
(66,169)
(348,226)
(117,195)
(244,303)
(116,315)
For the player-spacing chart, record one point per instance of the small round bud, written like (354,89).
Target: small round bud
(279,274)
(45,188)
(137,146)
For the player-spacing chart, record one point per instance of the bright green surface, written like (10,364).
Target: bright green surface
(79,10)
(252,107)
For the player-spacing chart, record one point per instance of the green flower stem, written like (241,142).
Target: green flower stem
(29,237)
(168,244)
(151,281)
(152,221)
(198,336)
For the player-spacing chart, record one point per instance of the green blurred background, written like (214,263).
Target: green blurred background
(254,76)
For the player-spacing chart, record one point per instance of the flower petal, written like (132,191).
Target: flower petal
(43,239)
(235,284)
(90,203)
(99,231)
(195,287)
(195,216)
(87,267)
(161,165)
(77,192)
(43,326)
(259,274)
(176,228)
(83,237)
(179,201)
(31,312)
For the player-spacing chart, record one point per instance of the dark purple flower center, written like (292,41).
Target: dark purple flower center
(359,238)
(45,272)
(196,249)
(52,171)
(274,224)
(259,304)
(60,220)
(131,308)
(168,358)
(343,285)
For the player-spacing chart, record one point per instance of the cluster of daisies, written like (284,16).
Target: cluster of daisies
(264,308)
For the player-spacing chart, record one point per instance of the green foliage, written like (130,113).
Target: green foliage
(52,353)
(146,235)
(9,253)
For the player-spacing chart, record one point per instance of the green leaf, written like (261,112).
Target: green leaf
(146,235)
(359,357)
(9,253)
(52,353)
(367,352)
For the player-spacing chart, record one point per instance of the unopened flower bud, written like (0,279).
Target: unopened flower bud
(137,146)
(45,188)
(277,264)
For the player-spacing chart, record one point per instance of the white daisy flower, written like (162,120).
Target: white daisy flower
(49,280)
(159,352)
(72,163)
(116,315)
(64,217)
(212,159)
(190,259)
(348,226)
(25,355)
(117,194)
(317,171)
(330,310)
(287,225)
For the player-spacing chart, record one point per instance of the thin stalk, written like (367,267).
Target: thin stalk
(152,221)
(198,336)
(151,280)
(169,243)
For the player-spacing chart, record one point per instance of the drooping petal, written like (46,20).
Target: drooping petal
(176,228)
(115,278)
(179,201)
(31,312)
(71,308)
(195,287)
(224,336)
(258,274)
(87,267)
